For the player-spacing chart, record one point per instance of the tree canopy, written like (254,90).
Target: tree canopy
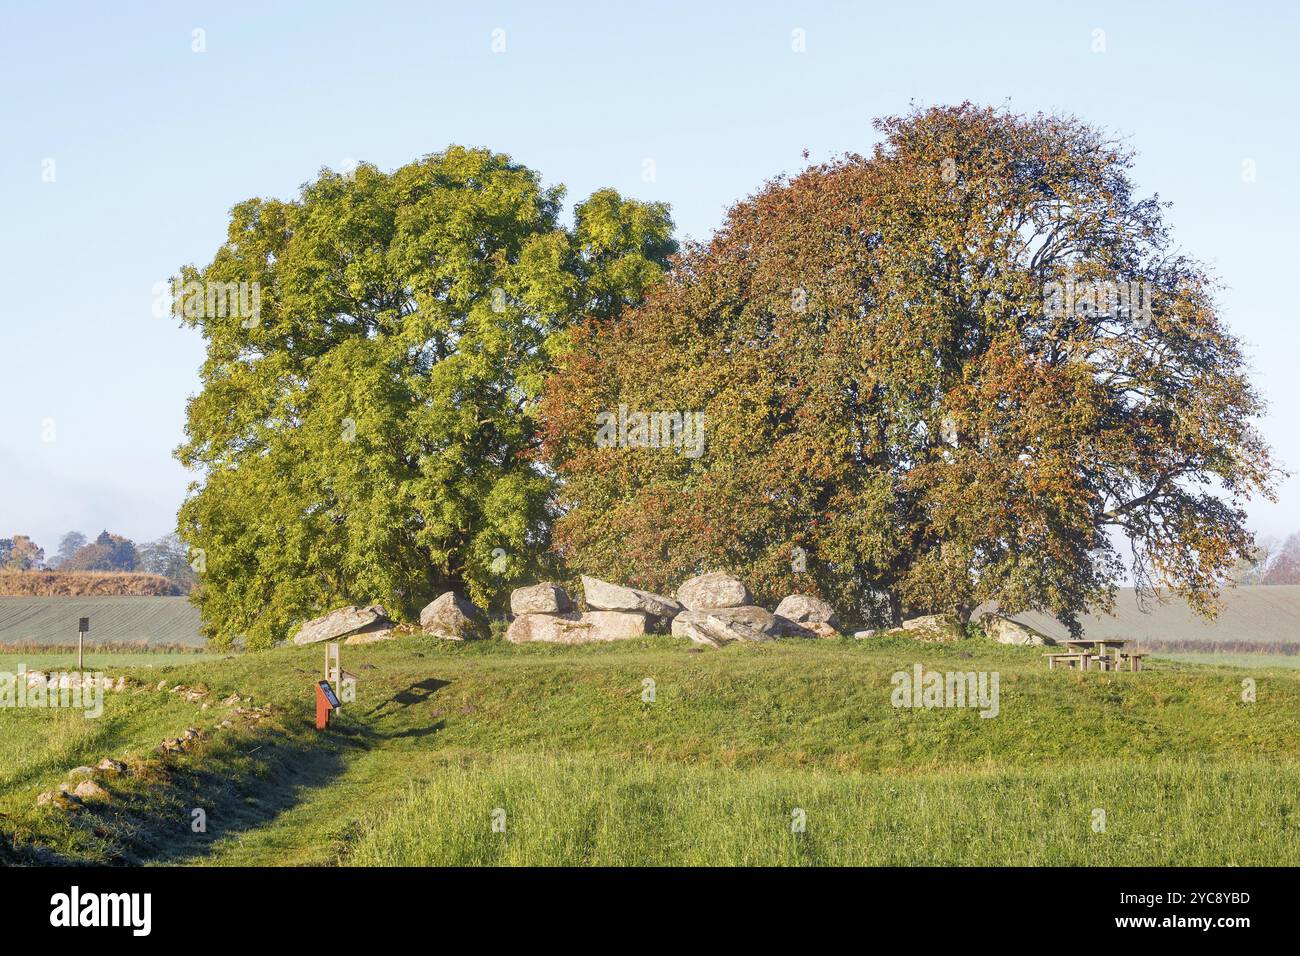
(969,367)
(366,426)
(20,553)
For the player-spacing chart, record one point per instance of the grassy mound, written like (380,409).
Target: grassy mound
(712,770)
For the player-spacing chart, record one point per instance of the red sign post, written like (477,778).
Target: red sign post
(326,703)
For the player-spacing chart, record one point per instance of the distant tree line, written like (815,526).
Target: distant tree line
(165,557)
(1272,563)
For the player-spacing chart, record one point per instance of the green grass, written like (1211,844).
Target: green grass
(1256,662)
(585,811)
(709,772)
(97,660)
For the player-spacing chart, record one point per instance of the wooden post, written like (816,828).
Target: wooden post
(333,670)
(83,628)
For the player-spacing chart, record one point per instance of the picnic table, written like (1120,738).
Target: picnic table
(1108,653)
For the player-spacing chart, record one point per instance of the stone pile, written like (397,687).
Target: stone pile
(711,609)
(544,612)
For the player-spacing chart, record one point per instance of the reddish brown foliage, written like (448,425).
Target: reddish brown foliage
(888,393)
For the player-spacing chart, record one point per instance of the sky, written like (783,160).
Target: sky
(129,130)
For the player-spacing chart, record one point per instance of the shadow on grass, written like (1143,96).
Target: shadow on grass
(417,693)
(173,810)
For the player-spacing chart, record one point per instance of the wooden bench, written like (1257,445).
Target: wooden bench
(1076,659)
(1134,659)
(1084,660)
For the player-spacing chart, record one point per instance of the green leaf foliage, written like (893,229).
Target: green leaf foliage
(366,427)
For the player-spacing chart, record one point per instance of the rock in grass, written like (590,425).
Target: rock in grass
(1006,631)
(603,596)
(111,767)
(58,799)
(81,771)
(89,790)
(453,618)
(544,598)
(369,635)
(340,623)
(934,627)
(806,609)
(718,626)
(711,590)
(574,628)
(808,616)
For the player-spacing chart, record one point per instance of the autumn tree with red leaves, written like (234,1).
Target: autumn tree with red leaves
(969,367)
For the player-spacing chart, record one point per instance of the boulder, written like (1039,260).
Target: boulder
(808,616)
(89,790)
(571,627)
(603,596)
(807,629)
(58,799)
(544,598)
(340,623)
(453,618)
(379,631)
(718,626)
(1006,631)
(934,627)
(806,609)
(863,635)
(712,590)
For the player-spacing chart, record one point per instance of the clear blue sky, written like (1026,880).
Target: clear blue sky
(153,143)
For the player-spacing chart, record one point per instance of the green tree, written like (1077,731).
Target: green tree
(169,558)
(20,553)
(69,545)
(108,552)
(937,376)
(366,426)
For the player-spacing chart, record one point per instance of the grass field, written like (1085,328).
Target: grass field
(494,754)
(98,660)
(1253,662)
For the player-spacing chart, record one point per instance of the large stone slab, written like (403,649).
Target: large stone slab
(371,635)
(603,596)
(934,627)
(340,623)
(806,609)
(571,627)
(1006,631)
(808,616)
(453,618)
(807,629)
(711,590)
(718,626)
(544,598)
